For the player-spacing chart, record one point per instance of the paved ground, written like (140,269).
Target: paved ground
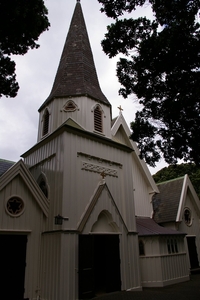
(189,290)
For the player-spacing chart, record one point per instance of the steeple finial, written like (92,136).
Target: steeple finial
(120,109)
(76,74)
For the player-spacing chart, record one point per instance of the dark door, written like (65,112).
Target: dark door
(101,265)
(192,249)
(13,258)
(86,267)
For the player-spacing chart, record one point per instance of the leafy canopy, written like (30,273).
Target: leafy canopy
(175,171)
(161,65)
(21,23)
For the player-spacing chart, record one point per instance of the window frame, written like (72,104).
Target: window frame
(70,106)
(42,178)
(98,119)
(141,248)
(45,120)
(188,220)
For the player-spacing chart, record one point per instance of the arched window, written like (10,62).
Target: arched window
(45,122)
(43,184)
(141,247)
(98,124)
(187,216)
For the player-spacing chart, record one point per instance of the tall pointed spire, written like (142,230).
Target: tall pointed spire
(76,74)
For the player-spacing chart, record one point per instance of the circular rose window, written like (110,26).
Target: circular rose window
(15,206)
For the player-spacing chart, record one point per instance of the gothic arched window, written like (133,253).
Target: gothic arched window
(43,185)
(45,122)
(98,124)
(187,216)
(141,247)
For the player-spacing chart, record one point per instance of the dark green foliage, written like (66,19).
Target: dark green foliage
(175,171)
(161,65)
(21,23)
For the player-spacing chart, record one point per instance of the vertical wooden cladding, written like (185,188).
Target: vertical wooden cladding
(130,264)
(158,267)
(48,160)
(143,205)
(50,266)
(71,190)
(59,269)
(78,193)
(29,223)
(174,268)
(83,115)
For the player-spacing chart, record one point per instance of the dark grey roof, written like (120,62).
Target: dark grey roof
(5,165)
(76,74)
(165,204)
(148,227)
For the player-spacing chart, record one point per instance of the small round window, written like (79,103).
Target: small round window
(15,206)
(187,216)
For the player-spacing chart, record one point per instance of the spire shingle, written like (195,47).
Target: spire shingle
(76,74)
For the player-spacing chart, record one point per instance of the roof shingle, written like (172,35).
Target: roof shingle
(5,165)
(76,74)
(166,203)
(147,227)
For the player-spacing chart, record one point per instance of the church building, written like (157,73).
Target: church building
(76,214)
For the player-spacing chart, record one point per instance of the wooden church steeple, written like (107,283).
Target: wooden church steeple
(76,74)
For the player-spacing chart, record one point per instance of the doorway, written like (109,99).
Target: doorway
(192,249)
(99,265)
(13,258)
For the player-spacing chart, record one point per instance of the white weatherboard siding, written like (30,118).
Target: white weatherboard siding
(62,160)
(83,115)
(142,191)
(158,268)
(59,272)
(30,223)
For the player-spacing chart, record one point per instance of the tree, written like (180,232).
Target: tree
(21,23)
(175,171)
(161,65)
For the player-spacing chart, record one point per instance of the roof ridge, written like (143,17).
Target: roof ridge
(5,160)
(166,181)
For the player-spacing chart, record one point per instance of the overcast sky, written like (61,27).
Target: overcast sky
(36,71)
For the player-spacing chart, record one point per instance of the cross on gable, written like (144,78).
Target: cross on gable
(120,108)
(103,175)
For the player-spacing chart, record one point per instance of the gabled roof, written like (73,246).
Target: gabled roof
(168,205)
(92,204)
(148,227)
(72,126)
(119,124)
(5,165)
(76,74)
(20,169)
